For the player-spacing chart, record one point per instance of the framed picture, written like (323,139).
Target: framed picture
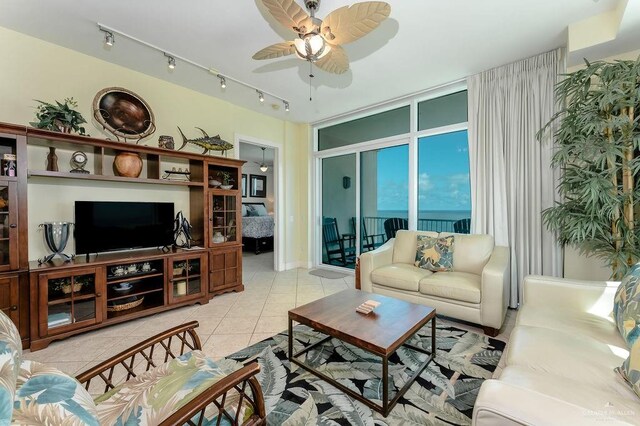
(258,186)
(244,185)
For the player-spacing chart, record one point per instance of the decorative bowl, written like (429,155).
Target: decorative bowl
(226,186)
(214,183)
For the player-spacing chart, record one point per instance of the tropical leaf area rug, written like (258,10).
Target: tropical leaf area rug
(444,394)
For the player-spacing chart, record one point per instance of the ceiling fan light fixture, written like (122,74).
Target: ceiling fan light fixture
(311,47)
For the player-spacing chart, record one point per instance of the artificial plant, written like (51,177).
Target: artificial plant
(61,117)
(597,137)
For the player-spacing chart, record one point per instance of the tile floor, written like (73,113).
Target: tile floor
(227,323)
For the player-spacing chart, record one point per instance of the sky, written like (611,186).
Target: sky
(443,168)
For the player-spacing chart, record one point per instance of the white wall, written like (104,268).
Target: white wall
(253,169)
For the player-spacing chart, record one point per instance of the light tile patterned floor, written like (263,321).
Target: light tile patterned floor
(227,323)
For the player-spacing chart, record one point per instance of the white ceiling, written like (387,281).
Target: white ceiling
(423,44)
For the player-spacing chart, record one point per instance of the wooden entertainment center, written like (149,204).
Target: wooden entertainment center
(59,299)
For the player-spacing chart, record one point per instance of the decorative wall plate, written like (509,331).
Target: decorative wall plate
(123,113)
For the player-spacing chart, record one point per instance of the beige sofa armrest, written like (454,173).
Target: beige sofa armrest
(496,276)
(566,294)
(501,404)
(371,260)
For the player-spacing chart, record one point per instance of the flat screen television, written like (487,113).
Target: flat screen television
(108,225)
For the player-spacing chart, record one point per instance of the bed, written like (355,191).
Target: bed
(257,231)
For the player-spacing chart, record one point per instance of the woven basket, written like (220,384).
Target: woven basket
(125,306)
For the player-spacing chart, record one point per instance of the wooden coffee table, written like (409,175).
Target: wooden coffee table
(381,332)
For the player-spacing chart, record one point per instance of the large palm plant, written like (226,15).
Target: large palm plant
(598,138)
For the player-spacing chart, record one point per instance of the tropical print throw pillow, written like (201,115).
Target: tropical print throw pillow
(626,306)
(630,370)
(435,253)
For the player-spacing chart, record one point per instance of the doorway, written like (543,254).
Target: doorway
(259,207)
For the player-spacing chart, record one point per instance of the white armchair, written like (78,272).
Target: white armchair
(477,290)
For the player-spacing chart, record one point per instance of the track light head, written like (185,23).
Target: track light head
(223,82)
(109,39)
(171,61)
(286,106)
(260,96)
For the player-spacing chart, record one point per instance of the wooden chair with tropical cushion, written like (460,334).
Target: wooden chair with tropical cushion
(164,380)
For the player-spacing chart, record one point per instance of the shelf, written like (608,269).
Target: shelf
(8,178)
(135,293)
(148,303)
(229,192)
(71,299)
(133,277)
(184,277)
(80,176)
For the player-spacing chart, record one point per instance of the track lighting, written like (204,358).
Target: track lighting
(109,40)
(171,60)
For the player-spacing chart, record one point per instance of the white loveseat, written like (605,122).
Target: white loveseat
(477,289)
(560,359)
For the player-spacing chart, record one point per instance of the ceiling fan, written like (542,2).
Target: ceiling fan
(264,167)
(320,41)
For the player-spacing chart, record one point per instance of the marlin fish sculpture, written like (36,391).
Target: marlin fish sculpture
(207,142)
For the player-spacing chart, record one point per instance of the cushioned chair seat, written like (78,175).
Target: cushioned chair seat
(400,276)
(565,355)
(156,394)
(599,327)
(616,401)
(46,395)
(460,286)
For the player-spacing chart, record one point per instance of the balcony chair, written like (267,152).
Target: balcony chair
(368,241)
(339,248)
(462,226)
(393,225)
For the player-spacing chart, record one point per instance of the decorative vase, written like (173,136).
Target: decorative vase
(52,160)
(218,237)
(127,164)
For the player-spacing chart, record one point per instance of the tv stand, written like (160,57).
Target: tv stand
(89,292)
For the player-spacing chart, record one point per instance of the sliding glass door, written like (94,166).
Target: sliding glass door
(339,211)
(384,194)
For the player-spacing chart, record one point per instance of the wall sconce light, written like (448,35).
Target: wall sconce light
(346,182)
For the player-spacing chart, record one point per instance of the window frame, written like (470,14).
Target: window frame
(410,138)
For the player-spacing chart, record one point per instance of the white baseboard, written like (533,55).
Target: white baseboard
(298,264)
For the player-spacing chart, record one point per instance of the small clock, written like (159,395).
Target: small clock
(78,161)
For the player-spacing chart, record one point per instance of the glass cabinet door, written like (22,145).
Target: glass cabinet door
(223,219)
(8,226)
(72,300)
(186,278)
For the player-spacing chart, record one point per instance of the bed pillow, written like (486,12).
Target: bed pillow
(245,212)
(260,210)
(435,253)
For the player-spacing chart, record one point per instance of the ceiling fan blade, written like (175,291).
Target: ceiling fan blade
(350,23)
(336,61)
(289,14)
(277,50)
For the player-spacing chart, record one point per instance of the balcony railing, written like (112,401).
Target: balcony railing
(375,225)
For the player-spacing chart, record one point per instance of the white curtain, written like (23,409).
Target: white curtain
(511,177)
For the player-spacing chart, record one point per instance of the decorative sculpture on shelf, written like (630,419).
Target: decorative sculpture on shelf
(209,143)
(78,161)
(182,231)
(56,235)
(123,113)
